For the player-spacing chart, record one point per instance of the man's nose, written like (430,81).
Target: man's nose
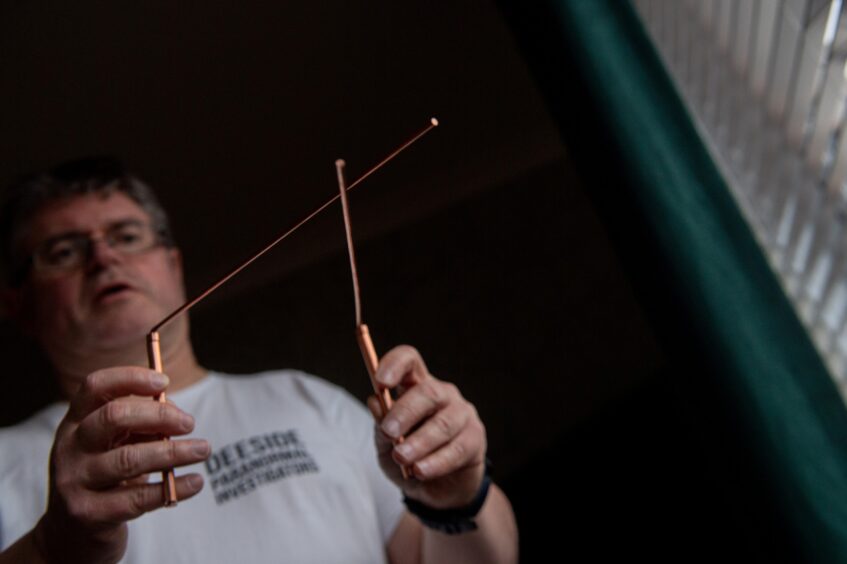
(100,255)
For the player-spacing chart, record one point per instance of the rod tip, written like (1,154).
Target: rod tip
(340,163)
(433,121)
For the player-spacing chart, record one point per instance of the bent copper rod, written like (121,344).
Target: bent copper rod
(363,335)
(188,305)
(154,354)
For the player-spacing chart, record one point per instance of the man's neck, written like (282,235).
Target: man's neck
(178,361)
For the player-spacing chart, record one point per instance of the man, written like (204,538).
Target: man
(292,464)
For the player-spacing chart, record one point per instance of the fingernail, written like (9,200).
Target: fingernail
(388,376)
(186,421)
(404,450)
(200,448)
(160,380)
(195,481)
(391,427)
(423,468)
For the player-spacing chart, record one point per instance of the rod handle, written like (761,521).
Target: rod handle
(154,357)
(363,337)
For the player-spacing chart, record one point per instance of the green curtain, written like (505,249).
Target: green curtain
(793,417)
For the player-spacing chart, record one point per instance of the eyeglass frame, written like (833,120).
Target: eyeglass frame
(90,238)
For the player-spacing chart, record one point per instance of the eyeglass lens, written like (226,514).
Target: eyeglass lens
(70,250)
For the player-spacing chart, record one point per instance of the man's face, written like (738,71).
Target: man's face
(111,300)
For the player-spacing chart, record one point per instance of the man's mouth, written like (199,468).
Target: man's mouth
(111,292)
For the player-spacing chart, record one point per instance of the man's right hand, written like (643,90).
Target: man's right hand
(104,448)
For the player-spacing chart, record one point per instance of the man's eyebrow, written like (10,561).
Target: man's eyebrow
(124,222)
(72,233)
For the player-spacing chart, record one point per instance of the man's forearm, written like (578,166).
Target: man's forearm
(495,541)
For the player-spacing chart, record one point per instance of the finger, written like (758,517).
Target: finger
(128,502)
(384,443)
(103,386)
(465,450)
(127,462)
(401,365)
(375,408)
(111,424)
(436,432)
(385,453)
(138,480)
(418,403)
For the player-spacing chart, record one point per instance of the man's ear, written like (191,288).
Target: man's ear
(175,257)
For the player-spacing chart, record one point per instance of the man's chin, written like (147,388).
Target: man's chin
(118,324)
(111,338)
(121,325)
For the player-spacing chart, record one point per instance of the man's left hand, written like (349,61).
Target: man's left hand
(444,441)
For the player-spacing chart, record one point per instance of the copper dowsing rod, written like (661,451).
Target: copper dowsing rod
(154,358)
(188,305)
(154,355)
(363,335)
(348,232)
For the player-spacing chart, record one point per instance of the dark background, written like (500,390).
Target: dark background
(484,245)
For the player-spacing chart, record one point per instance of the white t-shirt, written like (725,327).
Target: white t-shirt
(293,477)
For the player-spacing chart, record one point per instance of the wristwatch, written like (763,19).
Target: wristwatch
(455,520)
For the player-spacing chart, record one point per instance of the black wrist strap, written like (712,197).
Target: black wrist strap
(455,520)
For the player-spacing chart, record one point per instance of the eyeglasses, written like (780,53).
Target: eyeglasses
(71,250)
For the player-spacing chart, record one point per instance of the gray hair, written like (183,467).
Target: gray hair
(90,175)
